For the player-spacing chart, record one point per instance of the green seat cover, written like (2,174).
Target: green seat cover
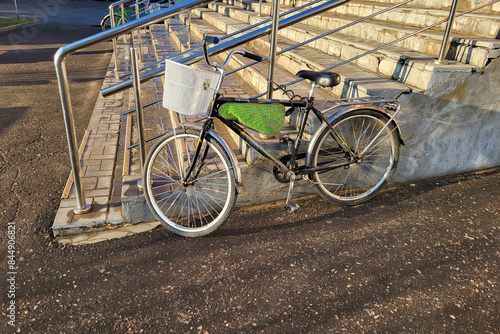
(264,118)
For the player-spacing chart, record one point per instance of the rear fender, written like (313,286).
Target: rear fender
(344,111)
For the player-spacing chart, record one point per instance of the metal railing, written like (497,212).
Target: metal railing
(62,78)
(237,41)
(136,4)
(62,81)
(444,44)
(250,27)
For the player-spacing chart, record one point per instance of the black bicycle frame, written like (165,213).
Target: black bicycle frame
(262,150)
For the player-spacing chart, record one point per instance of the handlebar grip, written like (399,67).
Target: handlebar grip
(211,39)
(252,56)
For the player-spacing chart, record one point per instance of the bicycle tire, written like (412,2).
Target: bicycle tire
(364,178)
(106,22)
(197,208)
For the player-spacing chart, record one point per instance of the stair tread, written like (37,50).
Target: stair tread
(433,32)
(373,81)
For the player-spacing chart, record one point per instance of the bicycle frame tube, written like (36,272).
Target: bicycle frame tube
(203,133)
(334,134)
(271,157)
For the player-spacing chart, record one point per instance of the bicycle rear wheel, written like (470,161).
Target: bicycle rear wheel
(199,205)
(375,159)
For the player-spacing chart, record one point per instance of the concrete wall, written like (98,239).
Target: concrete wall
(453,128)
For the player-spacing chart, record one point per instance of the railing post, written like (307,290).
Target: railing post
(446,37)
(138,30)
(62,80)
(260,7)
(189,28)
(112,18)
(138,105)
(272,55)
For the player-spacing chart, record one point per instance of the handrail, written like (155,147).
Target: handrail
(62,81)
(322,35)
(228,45)
(282,51)
(390,43)
(228,35)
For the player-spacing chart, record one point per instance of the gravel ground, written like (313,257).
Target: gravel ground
(420,257)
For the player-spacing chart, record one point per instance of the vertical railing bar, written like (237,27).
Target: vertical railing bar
(272,52)
(138,30)
(115,47)
(322,35)
(446,37)
(69,123)
(189,28)
(138,106)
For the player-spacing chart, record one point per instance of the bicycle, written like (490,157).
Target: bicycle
(128,13)
(191,177)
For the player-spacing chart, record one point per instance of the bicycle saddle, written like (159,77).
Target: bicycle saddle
(323,78)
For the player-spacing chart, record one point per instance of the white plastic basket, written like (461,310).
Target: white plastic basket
(187,90)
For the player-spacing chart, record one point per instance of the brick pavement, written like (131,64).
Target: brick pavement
(109,171)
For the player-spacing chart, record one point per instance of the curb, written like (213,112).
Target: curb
(6,30)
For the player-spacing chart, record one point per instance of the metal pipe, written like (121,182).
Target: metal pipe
(446,37)
(189,29)
(62,81)
(81,204)
(138,106)
(324,6)
(113,24)
(390,43)
(137,14)
(272,51)
(115,47)
(322,35)
(260,7)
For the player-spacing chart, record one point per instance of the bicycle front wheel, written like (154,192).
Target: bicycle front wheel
(106,23)
(376,154)
(200,204)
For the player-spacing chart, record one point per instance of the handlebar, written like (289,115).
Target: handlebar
(215,40)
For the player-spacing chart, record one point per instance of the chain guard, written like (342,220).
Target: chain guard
(279,175)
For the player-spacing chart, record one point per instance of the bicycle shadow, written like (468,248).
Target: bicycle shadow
(401,197)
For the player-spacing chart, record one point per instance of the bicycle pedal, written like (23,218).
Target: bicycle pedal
(291,207)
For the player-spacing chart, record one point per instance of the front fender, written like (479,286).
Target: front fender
(104,19)
(234,160)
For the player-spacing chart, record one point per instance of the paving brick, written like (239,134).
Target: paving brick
(96,171)
(103,156)
(97,192)
(104,182)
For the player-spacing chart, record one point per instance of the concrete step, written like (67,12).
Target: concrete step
(482,23)
(434,85)
(413,68)
(356,81)
(478,50)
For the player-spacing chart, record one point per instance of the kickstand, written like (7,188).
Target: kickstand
(290,205)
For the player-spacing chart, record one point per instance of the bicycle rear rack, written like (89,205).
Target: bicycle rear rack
(387,104)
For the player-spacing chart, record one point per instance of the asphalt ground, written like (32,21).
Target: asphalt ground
(420,257)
